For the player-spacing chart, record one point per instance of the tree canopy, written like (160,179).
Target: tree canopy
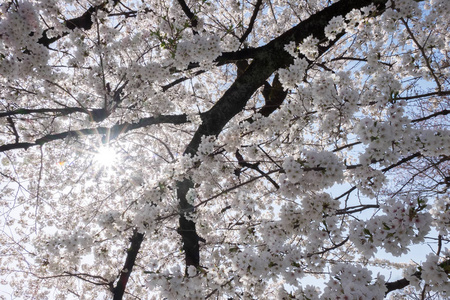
(225,149)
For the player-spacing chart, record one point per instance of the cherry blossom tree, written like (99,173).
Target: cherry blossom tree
(224,149)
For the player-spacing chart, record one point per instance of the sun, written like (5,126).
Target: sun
(105,156)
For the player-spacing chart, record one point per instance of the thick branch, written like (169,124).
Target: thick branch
(228,57)
(109,133)
(186,227)
(187,11)
(24,111)
(82,22)
(268,59)
(252,21)
(402,283)
(13,128)
(132,252)
(274,97)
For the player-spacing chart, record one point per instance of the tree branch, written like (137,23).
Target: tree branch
(109,133)
(402,283)
(13,127)
(422,51)
(62,111)
(354,209)
(82,22)
(439,113)
(186,227)
(406,159)
(252,21)
(187,11)
(441,93)
(254,166)
(132,252)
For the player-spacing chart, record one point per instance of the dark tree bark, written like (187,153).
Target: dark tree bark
(132,252)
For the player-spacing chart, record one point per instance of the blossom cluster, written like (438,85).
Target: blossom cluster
(19,51)
(201,48)
(63,245)
(309,47)
(388,139)
(440,212)
(353,282)
(312,171)
(334,27)
(291,76)
(434,275)
(368,180)
(405,221)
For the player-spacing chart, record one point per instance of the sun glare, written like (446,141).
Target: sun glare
(105,156)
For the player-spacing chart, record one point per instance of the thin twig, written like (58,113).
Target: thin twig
(427,62)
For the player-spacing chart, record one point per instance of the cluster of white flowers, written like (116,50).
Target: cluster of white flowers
(201,48)
(312,171)
(309,47)
(20,53)
(148,73)
(353,282)
(335,26)
(369,130)
(432,272)
(405,8)
(206,146)
(191,196)
(438,8)
(308,292)
(292,49)
(172,284)
(434,275)
(432,142)
(293,75)
(63,245)
(381,137)
(108,218)
(313,218)
(354,21)
(405,221)
(368,180)
(145,217)
(319,205)
(395,136)
(440,212)
(334,100)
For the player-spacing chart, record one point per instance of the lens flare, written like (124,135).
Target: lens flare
(105,156)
